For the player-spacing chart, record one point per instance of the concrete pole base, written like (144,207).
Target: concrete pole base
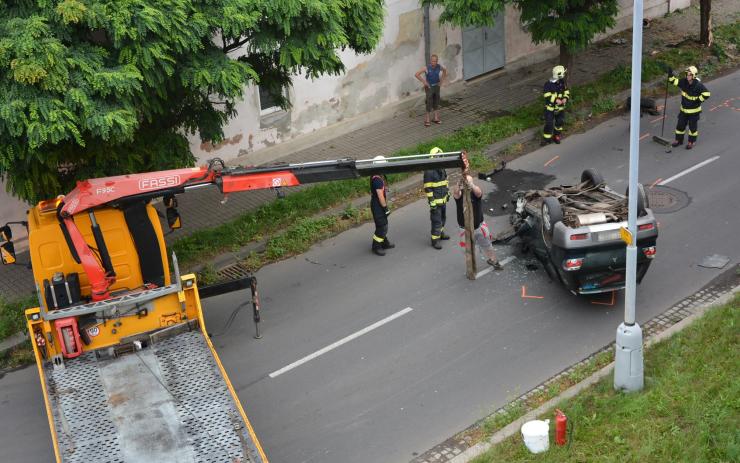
(628,360)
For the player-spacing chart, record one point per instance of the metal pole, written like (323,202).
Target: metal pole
(628,366)
(427,36)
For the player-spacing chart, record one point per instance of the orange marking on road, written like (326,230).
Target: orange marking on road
(658,108)
(655,183)
(658,119)
(613,299)
(644,136)
(525,296)
(552,160)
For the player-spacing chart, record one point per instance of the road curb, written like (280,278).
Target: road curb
(12,342)
(514,427)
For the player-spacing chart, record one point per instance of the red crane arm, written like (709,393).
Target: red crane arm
(92,193)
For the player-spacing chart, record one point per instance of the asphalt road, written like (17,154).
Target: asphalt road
(368,359)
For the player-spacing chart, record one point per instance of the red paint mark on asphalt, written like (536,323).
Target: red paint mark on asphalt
(658,119)
(525,296)
(645,135)
(655,183)
(552,160)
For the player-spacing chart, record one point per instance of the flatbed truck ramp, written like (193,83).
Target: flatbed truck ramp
(168,402)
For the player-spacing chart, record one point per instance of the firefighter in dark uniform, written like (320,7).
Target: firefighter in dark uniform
(693,93)
(380,211)
(436,187)
(556,95)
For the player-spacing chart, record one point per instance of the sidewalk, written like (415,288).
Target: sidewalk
(478,101)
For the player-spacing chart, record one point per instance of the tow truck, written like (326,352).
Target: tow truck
(127,370)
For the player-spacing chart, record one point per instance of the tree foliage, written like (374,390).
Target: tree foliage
(572,24)
(464,13)
(101,87)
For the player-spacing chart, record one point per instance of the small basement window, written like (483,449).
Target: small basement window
(268,105)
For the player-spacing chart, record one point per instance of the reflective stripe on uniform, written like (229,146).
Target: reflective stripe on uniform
(680,132)
(550,108)
(438,202)
(693,134)
(691,111)
(378,239)
(704,96)
(688,97)
(436,184)
(673,80)
(547,135)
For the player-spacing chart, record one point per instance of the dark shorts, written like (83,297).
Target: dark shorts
(432,98)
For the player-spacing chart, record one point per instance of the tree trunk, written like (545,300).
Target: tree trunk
(705,21)
(566,57)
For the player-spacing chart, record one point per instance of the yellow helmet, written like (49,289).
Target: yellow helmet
(692,70)
(558,72)
(436,150)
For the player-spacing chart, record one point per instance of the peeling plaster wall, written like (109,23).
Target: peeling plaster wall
(381,78)
(369,82)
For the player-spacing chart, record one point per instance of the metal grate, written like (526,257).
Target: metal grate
(233,272)
(209,422)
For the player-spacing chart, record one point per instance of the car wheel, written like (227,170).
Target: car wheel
(552,213)
(643,202)
(592,178)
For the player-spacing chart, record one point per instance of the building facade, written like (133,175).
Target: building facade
(385,79)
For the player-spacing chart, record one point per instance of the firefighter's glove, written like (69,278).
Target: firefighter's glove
(387,211)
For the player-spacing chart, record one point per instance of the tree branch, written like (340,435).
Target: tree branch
(235,45)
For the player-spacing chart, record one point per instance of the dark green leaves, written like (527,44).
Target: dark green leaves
(101,87)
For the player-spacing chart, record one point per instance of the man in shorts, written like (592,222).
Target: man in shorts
(481,234)
(432,77)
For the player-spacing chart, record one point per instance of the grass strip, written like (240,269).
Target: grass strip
(590,99)
(689,410)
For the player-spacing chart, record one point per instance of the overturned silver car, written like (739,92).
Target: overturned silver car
(575,232)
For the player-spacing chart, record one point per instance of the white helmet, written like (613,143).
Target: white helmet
(692,70)
(558,72)
(379,160)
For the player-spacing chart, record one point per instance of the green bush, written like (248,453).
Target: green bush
(11,315)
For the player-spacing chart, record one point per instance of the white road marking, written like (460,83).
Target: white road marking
(349,338)
(690,169)
(503,262)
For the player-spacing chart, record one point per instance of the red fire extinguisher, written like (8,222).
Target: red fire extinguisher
(561,428)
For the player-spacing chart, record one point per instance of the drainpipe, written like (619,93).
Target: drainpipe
(427,36)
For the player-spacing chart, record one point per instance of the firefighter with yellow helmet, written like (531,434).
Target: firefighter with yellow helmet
(436,187)
(693,94)
(556,95)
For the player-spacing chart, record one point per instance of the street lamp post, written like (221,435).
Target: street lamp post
(628,360)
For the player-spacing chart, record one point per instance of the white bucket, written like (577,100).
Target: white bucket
(536,435)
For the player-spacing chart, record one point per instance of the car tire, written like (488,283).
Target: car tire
(552,213)
(643,201)
(592,178)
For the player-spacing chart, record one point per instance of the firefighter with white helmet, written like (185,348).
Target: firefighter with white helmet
(380,210)
(556,95)
(693,94)
(436,187)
